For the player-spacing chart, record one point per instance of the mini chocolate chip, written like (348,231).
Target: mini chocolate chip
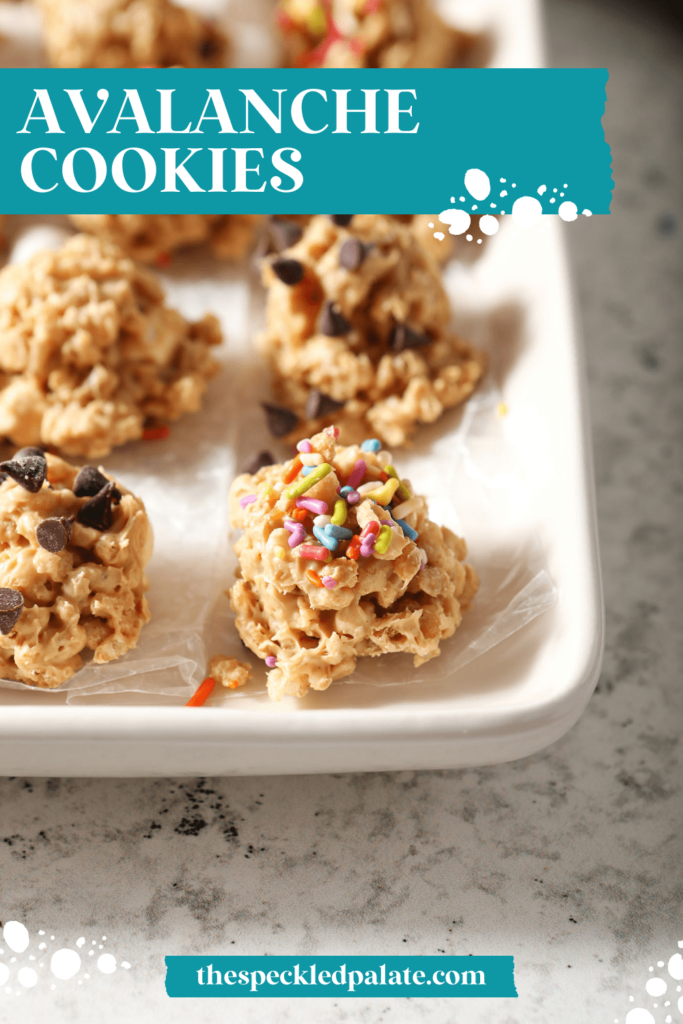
(97,511)
(342,220)
(318,404)
(333,323)
(258,461)
(284,233)
(11,607)
(289,271)
(352,254)
(279,420)
(208,47)
(403,337)
(54,534)
(24,453)
(89,482)
(29,472)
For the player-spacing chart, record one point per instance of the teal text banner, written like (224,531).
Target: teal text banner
(226,977)
(297,141)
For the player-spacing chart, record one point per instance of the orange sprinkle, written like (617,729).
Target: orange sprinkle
(202,694)
(293,471)
(156,433)
(353,548)
(383,477)
(312,575)
(300,514)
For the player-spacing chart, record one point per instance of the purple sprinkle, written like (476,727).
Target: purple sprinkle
(368,546)
(313,505)
(248,499)
(357,474)
(387,522)
(353,497)
(304,446)
(329,582)
(271,661)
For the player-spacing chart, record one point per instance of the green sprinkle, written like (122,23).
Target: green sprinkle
(383,540)
(402,490)
(340,512)
(318,474)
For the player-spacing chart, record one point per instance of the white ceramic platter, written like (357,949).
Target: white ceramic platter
(514,699)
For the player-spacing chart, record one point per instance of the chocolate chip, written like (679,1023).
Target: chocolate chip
(89,482)
(24,453)
(333,323)
(28,472)
(258,461)
(97,511)
(11,607)
(318,404)
(289,271)
(352,254)
(284,233)
(54,534)
(342,220)
(403,337)
(279,420)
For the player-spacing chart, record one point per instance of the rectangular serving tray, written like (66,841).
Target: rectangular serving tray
(515,699)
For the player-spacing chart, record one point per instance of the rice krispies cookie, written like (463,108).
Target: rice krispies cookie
(339,564)
(129,34)
(370,34)
(89,350)
(75,544)
(152,237)
(357,332)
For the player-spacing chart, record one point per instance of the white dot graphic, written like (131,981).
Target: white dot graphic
(676,967)
(503,193)
(568,211)
(65,963)
(526,210)
(587,213)
(488,225)
(680,1005)
(639,1016)
(80,942)
(27,977)
(468,237)
(542,189)
(4,973)
(458,221)
(437,234)
(15,935)
(477,183)
(106,963)
(655,987)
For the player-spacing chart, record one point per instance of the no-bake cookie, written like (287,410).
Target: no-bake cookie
(89,350)
(370,34)
(357,332)
(339,560)
(129,34)
(75,544)
(152,237)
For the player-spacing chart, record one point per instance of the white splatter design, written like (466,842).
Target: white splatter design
(458,221)
(526,210)
(106,963)
(568,211)
(65,963)
(676,967)
(488,225)
(639,1016)
(542,189)
(477,184)
(16,936)
(656,987)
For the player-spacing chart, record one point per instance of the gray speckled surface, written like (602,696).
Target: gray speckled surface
(571,859)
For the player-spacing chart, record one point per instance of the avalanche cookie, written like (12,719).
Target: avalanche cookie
(357,331)
(152,237)
(339,560)
(89,350)
(370,34)
(75,544)
(129,34)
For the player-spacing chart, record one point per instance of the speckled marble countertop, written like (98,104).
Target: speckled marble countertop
(571,859)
